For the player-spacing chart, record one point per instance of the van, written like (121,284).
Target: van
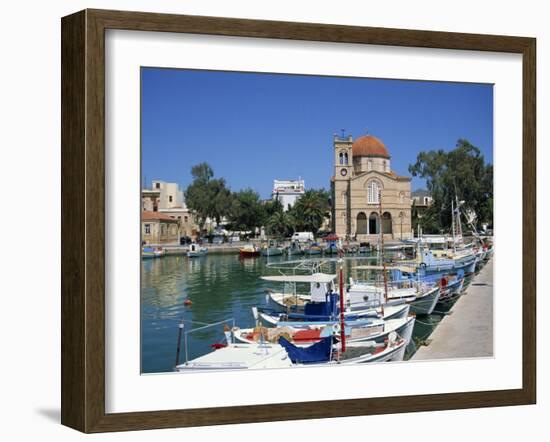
(302,236)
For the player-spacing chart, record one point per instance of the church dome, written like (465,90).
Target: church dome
(369,146)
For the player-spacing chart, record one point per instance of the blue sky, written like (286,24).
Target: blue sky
(253,128)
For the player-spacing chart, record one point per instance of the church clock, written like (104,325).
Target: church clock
(344,172)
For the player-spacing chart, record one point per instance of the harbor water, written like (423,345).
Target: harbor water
(214,289)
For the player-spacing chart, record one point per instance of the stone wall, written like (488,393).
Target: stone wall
(160,232)
(396,204)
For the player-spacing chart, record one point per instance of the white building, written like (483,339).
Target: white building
(422,198)
(171,196)
(288,191)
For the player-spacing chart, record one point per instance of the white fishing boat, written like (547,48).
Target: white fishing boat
(320,284)
(370,330)
(359,296)
(320,303)
(294,249)
(272,249)
(422,301)
(438,255)
(152,252)
(277,319)
(196,251)
(365,352)
(239,357)
(422,296)
(438,263)
(285,354)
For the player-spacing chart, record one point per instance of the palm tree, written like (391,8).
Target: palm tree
(310,210)
(280,224)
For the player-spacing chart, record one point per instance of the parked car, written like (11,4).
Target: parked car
(302,236)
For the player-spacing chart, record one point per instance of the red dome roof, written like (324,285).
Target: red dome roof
(369,146)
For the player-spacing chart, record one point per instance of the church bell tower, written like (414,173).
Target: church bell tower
(343,171)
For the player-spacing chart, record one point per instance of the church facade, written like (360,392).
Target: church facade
(367,196)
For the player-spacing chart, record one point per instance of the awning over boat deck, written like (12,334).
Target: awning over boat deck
(405,269)
(322,278)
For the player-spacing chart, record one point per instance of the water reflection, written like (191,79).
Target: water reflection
(219,287)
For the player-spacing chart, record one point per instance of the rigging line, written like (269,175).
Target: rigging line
(195,322)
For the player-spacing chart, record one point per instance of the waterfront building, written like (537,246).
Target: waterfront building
(150,199)
(288,191)
(422,199)
(159,228)
(167,198)
(363,175)
(171,196)
(186,219)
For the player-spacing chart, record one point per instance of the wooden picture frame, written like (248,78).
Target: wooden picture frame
(83,219)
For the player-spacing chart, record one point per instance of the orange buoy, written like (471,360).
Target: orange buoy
(187,302)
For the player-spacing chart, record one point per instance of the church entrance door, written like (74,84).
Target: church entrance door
(374,224)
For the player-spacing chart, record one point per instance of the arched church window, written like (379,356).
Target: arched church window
(369,165)
(341,158)
(373,192)
(346,158)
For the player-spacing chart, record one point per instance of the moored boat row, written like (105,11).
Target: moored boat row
(316,317)
(363,322)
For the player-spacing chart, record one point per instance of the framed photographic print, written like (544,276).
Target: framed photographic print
(268,221)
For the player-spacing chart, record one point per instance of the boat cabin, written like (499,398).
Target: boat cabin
(320,283)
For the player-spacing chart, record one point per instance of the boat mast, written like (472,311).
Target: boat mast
(381,251)
(180,330)
(458,222)
(342,324)
(453,226)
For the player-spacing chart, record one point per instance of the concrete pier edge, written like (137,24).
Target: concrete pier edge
(468,331)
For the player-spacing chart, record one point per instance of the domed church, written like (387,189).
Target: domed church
(364,185)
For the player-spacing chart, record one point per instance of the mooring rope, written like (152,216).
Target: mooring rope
(424,323)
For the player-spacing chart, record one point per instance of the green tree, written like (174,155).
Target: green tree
(247,211)
(222,199)
(202,172)
(280,224)
(272,207)
(428,219)
(310,210)
(460,173)
(206,196)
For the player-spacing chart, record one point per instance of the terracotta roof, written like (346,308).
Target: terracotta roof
(156,216)
(369,146)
